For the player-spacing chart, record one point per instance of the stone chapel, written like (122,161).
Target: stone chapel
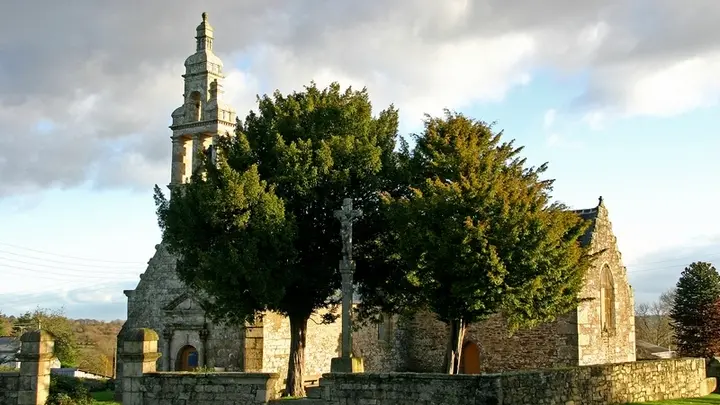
(599,331)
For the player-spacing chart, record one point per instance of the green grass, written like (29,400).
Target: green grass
(713,399)
(104,398)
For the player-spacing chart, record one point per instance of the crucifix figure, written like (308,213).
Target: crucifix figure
(347,215)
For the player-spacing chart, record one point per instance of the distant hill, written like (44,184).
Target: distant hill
(95,340)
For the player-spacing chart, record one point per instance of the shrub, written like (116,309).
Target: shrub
(66,390)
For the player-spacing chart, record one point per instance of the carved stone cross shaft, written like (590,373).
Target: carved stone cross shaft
(347,215)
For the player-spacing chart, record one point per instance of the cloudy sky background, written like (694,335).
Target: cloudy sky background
(619,97)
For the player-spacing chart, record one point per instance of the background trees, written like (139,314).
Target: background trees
(476,234)
(652,321)
(257,232)
(694,310)
(55,322)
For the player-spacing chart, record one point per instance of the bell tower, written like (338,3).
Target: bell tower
(203,116)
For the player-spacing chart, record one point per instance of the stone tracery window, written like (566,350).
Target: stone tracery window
(607,300)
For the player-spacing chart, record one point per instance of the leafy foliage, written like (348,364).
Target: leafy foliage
(255,231)
(476,234)
(697,292)
(55,322)
(65,390)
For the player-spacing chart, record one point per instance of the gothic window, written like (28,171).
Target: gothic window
(607,300)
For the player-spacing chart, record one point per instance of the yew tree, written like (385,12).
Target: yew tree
(476,234)
(256,232)
(694,321)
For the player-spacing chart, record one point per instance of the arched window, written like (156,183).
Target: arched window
(194,107)
(607,300)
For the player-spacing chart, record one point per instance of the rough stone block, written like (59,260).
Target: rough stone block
(347,365)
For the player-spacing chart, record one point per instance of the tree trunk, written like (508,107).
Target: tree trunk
(454,348)
(296,363)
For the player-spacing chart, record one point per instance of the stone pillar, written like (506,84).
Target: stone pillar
(139,357)
(202,354)
(36,352)
(252,355)
(179,157)
(167,346)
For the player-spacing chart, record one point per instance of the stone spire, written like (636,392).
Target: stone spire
(203,116)
(204,35)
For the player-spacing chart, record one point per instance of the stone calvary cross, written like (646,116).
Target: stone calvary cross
(347,215)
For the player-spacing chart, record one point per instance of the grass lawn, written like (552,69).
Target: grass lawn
(708,400)
(104,398)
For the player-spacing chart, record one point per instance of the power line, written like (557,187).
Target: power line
(93,265)
(67,256)
(47,273)
(116,271)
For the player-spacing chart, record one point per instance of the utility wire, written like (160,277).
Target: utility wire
(93,265)
(68,257)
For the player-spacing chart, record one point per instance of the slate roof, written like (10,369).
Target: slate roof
(589,214)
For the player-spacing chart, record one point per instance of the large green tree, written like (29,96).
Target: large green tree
(55,322)
(696,293)
(256,230)
(476,234)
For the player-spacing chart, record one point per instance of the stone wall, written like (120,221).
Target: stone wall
(618,343)
(588,385)
(143,385)
(9,387)
(208,388)
(384,345)
(322,344)
(553,344)
(31,384)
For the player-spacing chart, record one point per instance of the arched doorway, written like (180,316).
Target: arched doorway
(187,359)
(470,359)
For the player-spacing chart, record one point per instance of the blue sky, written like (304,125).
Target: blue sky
(79,155)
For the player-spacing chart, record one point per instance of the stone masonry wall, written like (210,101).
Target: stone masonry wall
(595,346)
(382,346)
(9,387)
(31,384)
(589,385)
(321,345)
(552,344)
(208,388)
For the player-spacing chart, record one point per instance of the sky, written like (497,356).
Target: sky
(620,98)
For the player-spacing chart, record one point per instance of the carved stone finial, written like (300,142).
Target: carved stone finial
(204,17)
(600,201)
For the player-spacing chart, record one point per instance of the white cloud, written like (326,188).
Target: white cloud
(110,96)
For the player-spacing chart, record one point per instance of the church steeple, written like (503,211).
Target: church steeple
(203,116)
(204,35)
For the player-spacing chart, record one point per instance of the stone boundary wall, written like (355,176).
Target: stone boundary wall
(207,388)
(9,387)
(31,384)
(587,385)
(143,385)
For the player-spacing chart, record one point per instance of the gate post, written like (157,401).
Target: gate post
(139,356)
(36,352)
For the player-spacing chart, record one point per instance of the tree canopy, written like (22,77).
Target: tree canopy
(693,311)
(476,234)
(255,230)
(55,322)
